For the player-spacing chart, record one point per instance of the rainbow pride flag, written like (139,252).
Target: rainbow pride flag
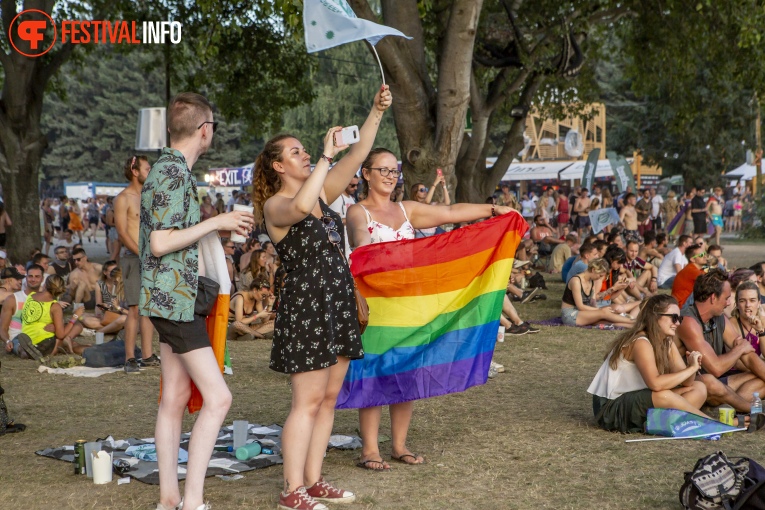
(434,308)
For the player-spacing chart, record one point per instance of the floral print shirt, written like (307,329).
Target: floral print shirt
(169,200)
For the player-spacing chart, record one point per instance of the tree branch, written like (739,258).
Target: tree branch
(510,148)
(498,93)
(54,64)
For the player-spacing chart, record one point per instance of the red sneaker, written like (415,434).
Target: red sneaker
(322,491)
(298,500)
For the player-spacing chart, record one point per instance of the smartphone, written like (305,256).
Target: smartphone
(347,136)
(440,173)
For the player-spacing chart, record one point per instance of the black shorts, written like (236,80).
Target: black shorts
(182,337)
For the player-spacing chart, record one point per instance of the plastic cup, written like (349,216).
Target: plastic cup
(241,428)
(236,238)
(99,338)
(90,449)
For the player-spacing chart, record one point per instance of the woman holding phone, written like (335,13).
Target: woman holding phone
(643,369)
(378,220)
(316,332)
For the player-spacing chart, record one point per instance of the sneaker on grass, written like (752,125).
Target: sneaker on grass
(528,295)
(517,329)
(326,493)
(298,500)
(529,328)
(131,366)
(151,361)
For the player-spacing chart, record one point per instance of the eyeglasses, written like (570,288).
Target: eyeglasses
(676,318)
(332,235)
(423,190)
(702,254)
(214,125)
(385,172)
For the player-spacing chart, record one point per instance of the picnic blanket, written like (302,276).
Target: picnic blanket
(557,321)
(221,463)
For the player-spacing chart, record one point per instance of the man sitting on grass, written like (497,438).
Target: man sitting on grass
(731,369)
(674,262)
(562,252)
(682,287)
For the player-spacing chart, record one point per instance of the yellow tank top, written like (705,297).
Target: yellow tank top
(34,317)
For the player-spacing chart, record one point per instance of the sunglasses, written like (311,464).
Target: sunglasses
(214,125)
(353,186)
(385,172)
(423,190)
(698,255)
(332,235)
(710,326)
(676,318)
(229,246)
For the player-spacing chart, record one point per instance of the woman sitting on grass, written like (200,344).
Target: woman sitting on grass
(43,330)
(748,316)
(251,311)
(111,310)
(644,369)
(256,271)
(578,303)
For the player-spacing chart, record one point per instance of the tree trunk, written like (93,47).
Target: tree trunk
(21,140)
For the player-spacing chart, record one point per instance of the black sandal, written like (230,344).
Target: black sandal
(401,458)
(364,464)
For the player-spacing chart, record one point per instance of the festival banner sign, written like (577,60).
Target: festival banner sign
(588,176)
(622,172)
(330,23)
(434,308)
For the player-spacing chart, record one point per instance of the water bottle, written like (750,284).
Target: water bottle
(756,404)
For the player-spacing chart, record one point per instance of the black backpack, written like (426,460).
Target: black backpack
(537,281)
(717,482)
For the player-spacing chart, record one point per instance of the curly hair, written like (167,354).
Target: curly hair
(368,162)
(646,324)
(265,181)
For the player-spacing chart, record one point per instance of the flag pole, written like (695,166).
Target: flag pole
(379,63)
(682,437)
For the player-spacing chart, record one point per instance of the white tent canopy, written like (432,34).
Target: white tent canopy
(576,171)
(527,171)
(744,172)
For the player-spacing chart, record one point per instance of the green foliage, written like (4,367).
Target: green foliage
(678,82)
(345,80)
(92,130)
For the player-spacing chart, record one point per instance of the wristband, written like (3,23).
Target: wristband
(493,211)
(329,160)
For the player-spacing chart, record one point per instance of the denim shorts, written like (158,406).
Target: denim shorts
(568,315)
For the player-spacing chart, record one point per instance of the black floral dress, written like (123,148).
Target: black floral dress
(317,319)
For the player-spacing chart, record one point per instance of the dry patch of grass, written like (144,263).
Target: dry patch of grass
(524,440)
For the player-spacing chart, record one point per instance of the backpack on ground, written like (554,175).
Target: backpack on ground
(537,281)
(717,482)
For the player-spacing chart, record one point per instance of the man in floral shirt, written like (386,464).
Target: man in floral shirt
(170,267)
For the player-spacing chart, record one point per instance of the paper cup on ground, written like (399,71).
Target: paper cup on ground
(241,429)
(99,338)
(236,238)
(90,450)
(102,468)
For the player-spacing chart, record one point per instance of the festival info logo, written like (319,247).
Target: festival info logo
(36,33)
(31,27)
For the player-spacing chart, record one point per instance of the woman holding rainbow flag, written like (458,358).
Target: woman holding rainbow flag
(378,220)
(316,332)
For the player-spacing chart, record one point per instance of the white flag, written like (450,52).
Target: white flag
(601,218)
(330,23)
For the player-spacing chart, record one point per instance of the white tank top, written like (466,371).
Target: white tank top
(611,384)
(381,233)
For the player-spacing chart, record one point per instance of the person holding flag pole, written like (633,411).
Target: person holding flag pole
(316,332)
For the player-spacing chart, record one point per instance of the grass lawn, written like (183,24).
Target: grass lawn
(525,440)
